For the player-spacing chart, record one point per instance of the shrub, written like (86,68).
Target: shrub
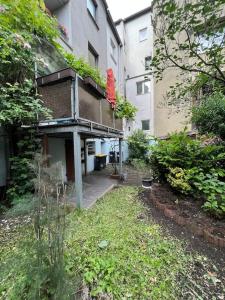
(211,186)
(183,152)
(209,116)
(192,167)
(178,179)
(138,145)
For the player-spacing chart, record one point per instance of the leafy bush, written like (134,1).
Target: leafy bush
(124,109)
(209,116)
(178,179)
(212,187)
(191,167)
(138,145)
(84,69)
(179,150)
(27,15)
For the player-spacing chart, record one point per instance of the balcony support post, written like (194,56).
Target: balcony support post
(75,98)
(120,157)
(78,169)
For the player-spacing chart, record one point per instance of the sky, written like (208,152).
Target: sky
(124,8)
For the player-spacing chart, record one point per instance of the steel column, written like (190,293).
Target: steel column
(120,158)
(78,169)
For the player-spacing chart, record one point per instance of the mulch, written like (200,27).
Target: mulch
(206,279)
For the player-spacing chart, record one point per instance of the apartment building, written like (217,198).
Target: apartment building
(88,31)
(136,32)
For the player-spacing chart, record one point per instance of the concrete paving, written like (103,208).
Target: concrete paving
(98,183)
(95,186)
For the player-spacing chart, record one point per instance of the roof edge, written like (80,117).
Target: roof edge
(111,23)
(135,15)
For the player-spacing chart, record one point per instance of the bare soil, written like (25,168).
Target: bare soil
(206,277)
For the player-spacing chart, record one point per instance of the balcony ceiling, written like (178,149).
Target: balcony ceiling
(55,4)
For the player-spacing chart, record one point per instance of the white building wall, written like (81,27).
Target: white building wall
(56,151)
(135,52)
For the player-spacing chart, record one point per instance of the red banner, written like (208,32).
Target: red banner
(110,88)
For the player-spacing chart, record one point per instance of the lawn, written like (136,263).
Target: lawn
(112,251)
(121,253)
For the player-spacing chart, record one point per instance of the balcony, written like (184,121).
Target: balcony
(52,5)
(78,102)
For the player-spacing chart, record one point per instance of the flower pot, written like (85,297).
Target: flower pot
(147,183)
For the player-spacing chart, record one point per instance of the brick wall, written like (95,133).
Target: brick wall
(57,98)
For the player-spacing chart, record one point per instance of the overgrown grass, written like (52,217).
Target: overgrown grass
(122,254)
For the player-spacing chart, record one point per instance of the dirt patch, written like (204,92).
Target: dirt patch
(206,277)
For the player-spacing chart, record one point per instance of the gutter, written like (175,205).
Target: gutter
(111,23)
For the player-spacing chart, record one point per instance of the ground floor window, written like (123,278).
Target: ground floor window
(91,147)
(145,124)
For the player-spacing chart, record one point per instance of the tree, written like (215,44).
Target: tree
(189,36)
(138,144)
(209,115)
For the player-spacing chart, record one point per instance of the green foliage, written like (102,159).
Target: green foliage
(84,69)
(177,178)
(209,115)
(124,109)
(20,104)
(191,167)
(28,16)
(38,262)
(180,150)
(138,144)
(16,57)
(213,189)
(189,37)
(137,262)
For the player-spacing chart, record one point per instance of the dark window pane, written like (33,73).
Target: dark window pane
(145,125)
(147,62)
(139,87)
(92,57)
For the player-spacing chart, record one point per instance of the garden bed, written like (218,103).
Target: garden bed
(186,211)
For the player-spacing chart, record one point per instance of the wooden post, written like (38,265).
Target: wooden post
(78,169)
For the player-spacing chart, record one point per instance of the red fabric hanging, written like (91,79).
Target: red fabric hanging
(110,88)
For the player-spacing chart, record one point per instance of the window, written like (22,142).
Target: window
(143,87)
(148,60)
(92,7)
(206,42)
(91,148)
(145,124)
(92,56)
(143,34)
(113,49)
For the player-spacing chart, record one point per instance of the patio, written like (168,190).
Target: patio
(95,186)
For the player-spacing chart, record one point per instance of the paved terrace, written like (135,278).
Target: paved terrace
(98,183)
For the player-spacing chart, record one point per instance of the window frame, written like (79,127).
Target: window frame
(148,60)
(91,50)
(142,82)
(91,148)
(142,122)
(146,36)
(112,49)
(94,3)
